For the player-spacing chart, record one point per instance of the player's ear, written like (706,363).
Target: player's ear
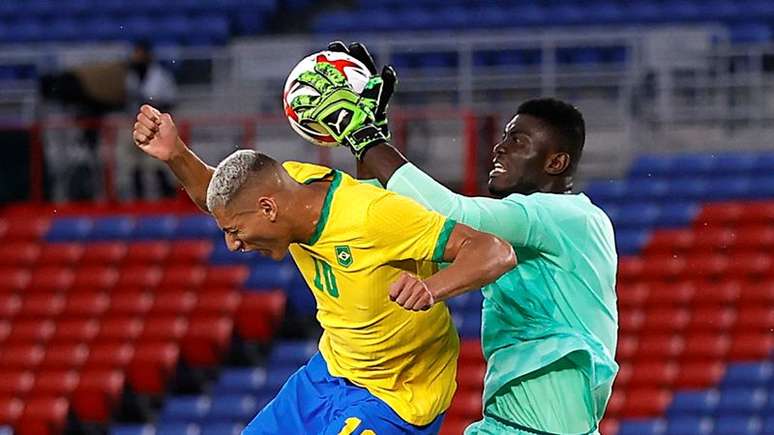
(557,163)
(267,208)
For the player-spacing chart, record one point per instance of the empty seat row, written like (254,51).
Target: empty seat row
(208,428)
(756,265)
(663,346)
(637,190)
(696,294)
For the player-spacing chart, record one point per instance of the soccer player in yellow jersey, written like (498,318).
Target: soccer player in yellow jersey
(381,370)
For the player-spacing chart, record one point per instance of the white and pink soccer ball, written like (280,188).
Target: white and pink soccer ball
(357,74)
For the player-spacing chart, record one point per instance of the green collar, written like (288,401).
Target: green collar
(326,208)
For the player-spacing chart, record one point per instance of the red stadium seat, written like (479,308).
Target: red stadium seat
(653,374)
(98,394)
(645,402)
(466,406)
(112,356)
(119,329)
(38,306)
(658,320)
(668,242)
(5,330)
(616,404)
(755,319)
(470,352)
(129,303)
(705,347)
(714,239)
(661,347)
(29,228)
(9,305)
(14,279)
(96,278)
(632,295)
(663,268)
(51,279)
(147,253)
(671,294)
(699,374)
(711,319)
(706,266)
(16,383)
(754,346)
(69,356)
(470,377)
(218,302)
(190,251)
(21,356)
(629,322)
(43,416)
(19,254)
(760,212)
(164,328)
(757,294)
(86,305)
(178,303)
(755,238)
(719,294)
(627,347)
(751,266)
(60,254)
(625,371)
(104,253)
(608,425)
(260,314)
(225,277)
(11,409)
(139,277)
(207,340)
(31,332)
(58,383)
(183,277)
(151,366)
(720,214)
(630,269)
(76,331)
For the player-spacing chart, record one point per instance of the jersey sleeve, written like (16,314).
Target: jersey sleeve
(401,229)
(516,218)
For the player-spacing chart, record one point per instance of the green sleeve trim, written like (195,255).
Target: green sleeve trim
(371,181)
(326,208)
(443,239)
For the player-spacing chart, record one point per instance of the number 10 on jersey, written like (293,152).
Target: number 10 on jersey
(324,279)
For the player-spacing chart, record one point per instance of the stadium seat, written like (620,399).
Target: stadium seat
(164,328)
(75,330)
(69,229)
(183,277)
(753,346)
(659,374)
(698,374)
(130,302)
(737,425)
(19,254)
(112,228)
(10,410)
(747,375)
(198,226)
(466,405)
(741,401)
(259,314)
(30,332)
(173,303)
(40,306)
(705,346)
(51,279)
(241,380)
(110,356)
(68,356)
(218,302)
(186,408)
(217,428)
(688,425)
(225,277)
(645,402)
(151,366)
(60,254)
(97,394)
(671,295)
(711,319)
(190,251)
(26,228)
(95,278)
(147,253)
(234,408)
(103,253)
(697,403)
(154,228)
(471,377)
(86,305)
(56,383)
(119,329)
(45,415)
(754,319)
(294,353)
(9,305)
(207,340)
(132,429)
(15,383)
(139,277)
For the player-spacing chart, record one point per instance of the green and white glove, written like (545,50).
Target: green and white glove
(348,117)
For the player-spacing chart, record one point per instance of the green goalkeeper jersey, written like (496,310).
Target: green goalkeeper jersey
(557,308)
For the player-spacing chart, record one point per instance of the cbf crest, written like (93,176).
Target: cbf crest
(344,256)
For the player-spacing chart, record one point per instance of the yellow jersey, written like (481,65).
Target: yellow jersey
(364,239)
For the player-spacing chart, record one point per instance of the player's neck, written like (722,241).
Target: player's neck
(558,185)
(307,203)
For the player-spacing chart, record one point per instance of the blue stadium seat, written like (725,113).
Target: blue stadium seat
(738,426)
(641,427)
(186,408)
(724,10)
(112,228)
(653,166)
(731,188)
(629,242)
(768,424)
(450,18)
(693,403)
(197,226)
(688,426)
(652,190)
(276,377)
(682,11)
(234,408)
(765,187)
(211,29)
(241,380)
(741,401)
(334,22)
(64,29)
(217,428)
(564,14)
(137,27)
(605,12)
(101,28)
(637,215)
(269,276)
(747,374)
(132,429)
(69,229)
(27,31)
(471,324)
(418,19)
(249,21)
(677,214)
(293,353)
(746,33)
(695,164)
(176,28)
(689,189)
(436,60)
(609,191)
(160,227)
(177,428)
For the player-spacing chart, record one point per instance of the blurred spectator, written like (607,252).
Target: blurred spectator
(146,82)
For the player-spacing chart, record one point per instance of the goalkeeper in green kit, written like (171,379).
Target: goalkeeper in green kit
(549,325)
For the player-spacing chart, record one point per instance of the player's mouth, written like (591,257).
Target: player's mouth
(497,170)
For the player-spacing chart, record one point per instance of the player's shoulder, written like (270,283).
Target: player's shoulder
(560,205)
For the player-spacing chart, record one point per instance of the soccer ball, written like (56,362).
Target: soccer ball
(357,74)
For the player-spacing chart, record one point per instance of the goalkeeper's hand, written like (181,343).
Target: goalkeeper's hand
(384,82)
(348,117)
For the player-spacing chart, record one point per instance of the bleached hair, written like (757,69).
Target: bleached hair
(231,174)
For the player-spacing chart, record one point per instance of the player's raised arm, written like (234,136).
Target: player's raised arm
(156,134)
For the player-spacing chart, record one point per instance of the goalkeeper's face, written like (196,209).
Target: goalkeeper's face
(519,157)
(254,227)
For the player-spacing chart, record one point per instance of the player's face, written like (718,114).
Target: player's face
(519,157)
(255,228)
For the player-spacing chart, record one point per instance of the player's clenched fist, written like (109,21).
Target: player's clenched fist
(411,293)
(156,134)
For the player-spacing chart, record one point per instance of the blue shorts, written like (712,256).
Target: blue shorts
(313,402)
